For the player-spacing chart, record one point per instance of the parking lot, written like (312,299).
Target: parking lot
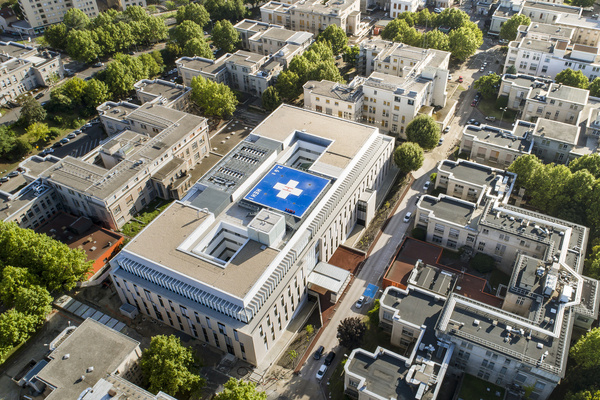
(87,140)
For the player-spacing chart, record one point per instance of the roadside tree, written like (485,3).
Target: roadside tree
(350,332)
(424,131)
(408,157)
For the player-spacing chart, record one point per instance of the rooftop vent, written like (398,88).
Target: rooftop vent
(66,356)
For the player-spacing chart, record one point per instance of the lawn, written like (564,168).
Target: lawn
(144,217)
(491,109)
(473,388)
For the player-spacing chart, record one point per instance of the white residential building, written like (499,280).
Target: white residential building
(399,6)
(23,68)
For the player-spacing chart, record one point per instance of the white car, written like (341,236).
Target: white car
(407,216)
(426,186)
(71,135)
(360,302)
(321,372)
(449,77)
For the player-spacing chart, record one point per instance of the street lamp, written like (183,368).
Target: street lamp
(503,110)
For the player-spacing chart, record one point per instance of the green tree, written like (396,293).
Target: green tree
(287,84)
(351,54)
(482,263)
(55,35)
(463,42)
(237,389)
(118,79)
(225,36)
(54,264)
(215,99)
(82,45)
(509,29)
(511,70)
(582,3)
(436,39)
(74,89)
(572,78)
(488,85)
(95,93)
(594,87)
(134,65)
(13,279)
(21,148)
(156,30)
(589,162)
(270,99)
(233,10)
(75,19)
(424,131)
(373,313)
(350,332)
(167,366)
(335,36)
(193,12)
(185,31)
(7,140)
(170,5)
(136,13)
(408,157)
(15,328)
(150,65)
(452,18)
(394,28)
(35,301)
(309,330)
(38,131)
(526,167)
(592,262)
(292,355)
(197,47)
(586,352)
(32,111)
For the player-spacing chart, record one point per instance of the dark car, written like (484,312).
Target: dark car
(57,144)
(329,358)
(319,353)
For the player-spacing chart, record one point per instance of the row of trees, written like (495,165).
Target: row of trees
(317,63)
(111,31)
(172,368)
(423,133)
(462,40)
(584,367)
(32,265)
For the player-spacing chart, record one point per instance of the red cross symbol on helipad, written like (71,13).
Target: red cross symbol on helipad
(287,189)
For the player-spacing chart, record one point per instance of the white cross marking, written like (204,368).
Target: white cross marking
(286,190)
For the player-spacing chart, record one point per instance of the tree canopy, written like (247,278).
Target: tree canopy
(488,85)
(215,99)
(225,36)
(270,99)
(350,332)
(424,131)
(463,42)
(167,366)
(74,18)
(237,389)
(572,78)
(185,31)
(32,111)
(197,47)
(233,10)
(582,3)
(508,30)
(408,157)
(586,352)
(335,36)
(193,12)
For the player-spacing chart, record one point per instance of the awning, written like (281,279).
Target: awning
(329,277)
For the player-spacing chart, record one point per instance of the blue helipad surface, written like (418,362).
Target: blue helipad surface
(288,190)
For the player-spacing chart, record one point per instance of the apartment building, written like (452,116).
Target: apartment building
(333,98)
(243,70)
(557,102)
(538,11)
(399,6)
(545,50)
(172,95)
(278,205)
(103,361)
(273,40)
(40,14)
(518,88)
(314,15)
(23,68)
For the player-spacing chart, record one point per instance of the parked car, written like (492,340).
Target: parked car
(408,215)
(88,125)
(437,10)
(426,186)
(446,129)
(319,353)
(65,140)
(490,119)
(57,144)
(4,179)
(460,79)
(329,358)
(321,372)
(449,77)
(471,121)
(441,141)
(47,151)
(482,69)
(417,198)
(98,64)
(360,302)
(71,135)
(39,95)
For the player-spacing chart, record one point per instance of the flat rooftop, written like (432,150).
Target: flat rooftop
(546,128)
(181,221)
(335,90)
(348,137)
(448,209)
(525,80)
(502,138)
(415,307)
(158,87)
(410,252)
(90,345)
(568,93)
(474,173)
(204,64)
